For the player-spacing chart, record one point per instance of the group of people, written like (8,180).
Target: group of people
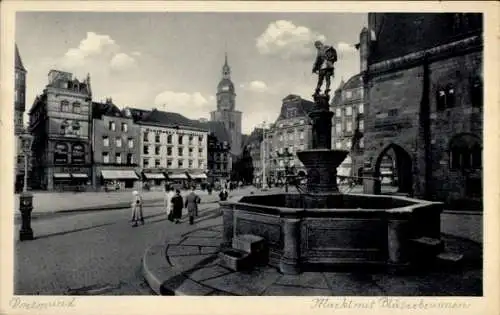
(173,204)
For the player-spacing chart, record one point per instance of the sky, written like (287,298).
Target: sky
(173,61)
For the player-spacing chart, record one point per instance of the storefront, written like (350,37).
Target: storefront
(118,179)
(70,178)
(199,179)
(179,180)
(154,180)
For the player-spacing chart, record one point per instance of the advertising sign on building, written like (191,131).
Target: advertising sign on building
(61,153)
(78,154)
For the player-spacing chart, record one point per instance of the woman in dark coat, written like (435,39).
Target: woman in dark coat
(177,205)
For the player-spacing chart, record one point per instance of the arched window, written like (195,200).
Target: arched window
(445,97)
(61,153)
(476,92)
(465,152)
(77,153)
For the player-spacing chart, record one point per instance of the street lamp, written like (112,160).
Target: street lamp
(263,155)
(26,197)
(287,156)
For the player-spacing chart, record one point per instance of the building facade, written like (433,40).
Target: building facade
(219,157)
(226,109)
(173,148)
(425,103)
(60,123)
(254,146)
(19,109)
(348,125)
(115,148)
(291,132)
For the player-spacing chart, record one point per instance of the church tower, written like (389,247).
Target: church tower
(226,113)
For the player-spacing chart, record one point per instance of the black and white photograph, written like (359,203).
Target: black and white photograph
(307,153)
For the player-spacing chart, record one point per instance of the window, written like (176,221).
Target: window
(145,149)
(393,112)
(118,142)
(130,143)
(169,163)
(75,127)
(124,127)
(190,152)
(190,139)
(338,112)
(105,141)
(338,128)
(64,125)
(180,139)
(200,139)
(290,149)
(301,134)
(180,163)
(281,137)
(157,138)
(145,137)
(76,108)
(348,94)
(362,143)
(105,157)
(169,139)
(201,164)
(445,98)
(361,108)
(130,158)
(302,147)
(118,158)
(169,151)
(465,153)
(476,93)
(348,111)
(349,126)
(290,136)
(112,126)
(190,164)
(157,150)
(64,106)
(157,163)
(200,151)
(145,163)
(179,151)
(338,144)
(361,125)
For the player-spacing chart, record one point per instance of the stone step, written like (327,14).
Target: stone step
(249,243)
(447,257)
(234,259)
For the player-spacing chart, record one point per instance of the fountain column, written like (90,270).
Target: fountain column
(228,224)
(290,259)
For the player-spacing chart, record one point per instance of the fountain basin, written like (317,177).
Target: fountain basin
(353,229)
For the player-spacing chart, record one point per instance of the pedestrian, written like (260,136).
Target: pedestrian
(191,204)
(137,214)
(177,204)
(223,194)
(169,194)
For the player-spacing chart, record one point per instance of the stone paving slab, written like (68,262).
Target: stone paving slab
(200,274)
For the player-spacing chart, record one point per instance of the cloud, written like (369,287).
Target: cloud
(97,53)
(345,48)
(192,105)
(136,53)
(122,62)
(287,40)
(255,86)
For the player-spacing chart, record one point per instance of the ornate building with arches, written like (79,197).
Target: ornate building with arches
(60,122)
(424,97)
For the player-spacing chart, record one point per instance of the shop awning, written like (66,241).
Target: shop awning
(79,175)
(177,176)
(119,174)
(154,175)
(198,176)
(62,175)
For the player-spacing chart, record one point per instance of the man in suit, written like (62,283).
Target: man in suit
(191,204)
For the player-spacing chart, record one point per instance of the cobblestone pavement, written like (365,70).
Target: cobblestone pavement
(94,253)
(191,268)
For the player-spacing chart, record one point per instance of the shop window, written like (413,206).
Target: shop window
(61,152)
(77,153)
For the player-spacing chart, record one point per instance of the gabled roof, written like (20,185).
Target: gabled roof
(18,61)
(169,119)
(105,109)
